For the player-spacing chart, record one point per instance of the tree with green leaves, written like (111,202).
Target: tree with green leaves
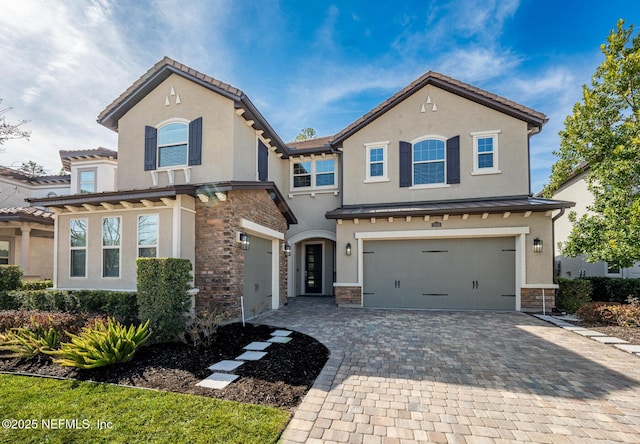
(32,169)
(306,133)
(11,130)
(603,133)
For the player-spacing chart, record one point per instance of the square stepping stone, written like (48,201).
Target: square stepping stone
(217,381)
(589,333)
(257,346)
(279,339)
(574,328)
(251,356)
(609,340)
(281,333)
(225,366)
(629,348)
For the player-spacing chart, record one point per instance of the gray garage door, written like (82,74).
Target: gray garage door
(257,277)
(457,273)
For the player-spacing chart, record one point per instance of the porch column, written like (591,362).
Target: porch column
(24,249)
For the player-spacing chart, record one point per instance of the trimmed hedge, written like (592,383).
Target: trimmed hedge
(37,285)
(573,293)
(10,277)
(119,304)
(162,285)
(614,289)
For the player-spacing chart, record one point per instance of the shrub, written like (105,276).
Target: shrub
(573,293)
(101,345)
(162,295)
(26,342)
(61,322)
(119,304)
(202,328)
(37,285)
(598,313)
(10,277)
(614,289)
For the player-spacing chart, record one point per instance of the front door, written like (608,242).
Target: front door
(313,269)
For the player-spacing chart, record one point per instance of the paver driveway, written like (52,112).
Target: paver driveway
(420,376)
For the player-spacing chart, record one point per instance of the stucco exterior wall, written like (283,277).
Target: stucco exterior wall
(128,250)
(454,116)
(218,136)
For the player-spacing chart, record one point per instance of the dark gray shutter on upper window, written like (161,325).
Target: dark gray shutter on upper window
(263,162)
(453,160)
(195,142)
(405,164)
(150,147)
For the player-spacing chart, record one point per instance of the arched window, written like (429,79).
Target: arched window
(429,162)
(172,144)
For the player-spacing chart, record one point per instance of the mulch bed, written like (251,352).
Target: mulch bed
(280,379)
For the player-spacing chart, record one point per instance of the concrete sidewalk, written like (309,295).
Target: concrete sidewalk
(463,377)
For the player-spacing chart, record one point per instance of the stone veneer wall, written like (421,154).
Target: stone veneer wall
(531,299)
(346,296)
(219,263)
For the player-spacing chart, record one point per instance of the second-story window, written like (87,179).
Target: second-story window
(313,174)
(485,152)
(376,162)
(87,181)
(428,162)
(172,145)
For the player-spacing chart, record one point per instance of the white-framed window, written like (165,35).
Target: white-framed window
(87,180)
(78,247)
(173,140)
(313,174)
(613,270)
(377,162)
(111,233)
(429,162)
(485,152)
(148,235)
(5,252)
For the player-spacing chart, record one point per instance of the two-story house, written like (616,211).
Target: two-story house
(424,202)
(575,189)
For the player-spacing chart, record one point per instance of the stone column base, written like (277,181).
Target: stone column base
(348,296)
(531,299)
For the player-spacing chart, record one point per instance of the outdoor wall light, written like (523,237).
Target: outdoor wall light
(348,250)
(287,250)
(537,245)
(245,241)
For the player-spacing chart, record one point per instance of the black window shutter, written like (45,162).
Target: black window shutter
(405,164)
(263,162)
(150,148)
(195,142)
(453,160)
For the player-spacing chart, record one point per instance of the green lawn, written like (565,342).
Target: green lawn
(136,416)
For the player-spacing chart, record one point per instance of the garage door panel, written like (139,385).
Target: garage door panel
(456,273)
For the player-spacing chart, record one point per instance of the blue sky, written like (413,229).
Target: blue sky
(310,63)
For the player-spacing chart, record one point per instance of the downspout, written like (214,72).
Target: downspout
(553,245)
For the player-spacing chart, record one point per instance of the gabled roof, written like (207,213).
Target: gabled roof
(161,71)
(98,153)
(534,119)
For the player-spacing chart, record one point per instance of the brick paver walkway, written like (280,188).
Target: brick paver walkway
(460,377)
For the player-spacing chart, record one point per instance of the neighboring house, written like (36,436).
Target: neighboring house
(424,202)
(26,232)
(575,189)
